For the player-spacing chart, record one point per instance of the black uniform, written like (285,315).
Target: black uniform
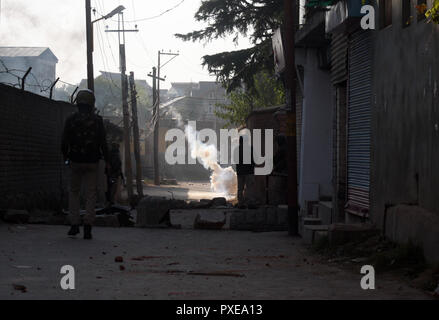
(84,137)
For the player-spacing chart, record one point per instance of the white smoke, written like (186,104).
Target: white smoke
(223,181)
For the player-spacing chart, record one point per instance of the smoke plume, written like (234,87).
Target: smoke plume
(223,180)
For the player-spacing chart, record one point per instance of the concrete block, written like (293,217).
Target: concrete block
(271,216)
(282,215)
(151,210)
(319,235)
(261,217)
(309,232)
(238,220)
(250,216)
(325,212)
(277,190)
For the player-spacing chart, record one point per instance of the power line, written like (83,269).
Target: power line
(156,16)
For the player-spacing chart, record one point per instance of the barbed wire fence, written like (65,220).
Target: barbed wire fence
(18,78)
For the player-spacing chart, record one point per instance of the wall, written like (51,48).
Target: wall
(32,172)
(317,121)
(405,137)
(271,189)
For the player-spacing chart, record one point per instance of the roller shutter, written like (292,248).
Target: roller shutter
(359,122)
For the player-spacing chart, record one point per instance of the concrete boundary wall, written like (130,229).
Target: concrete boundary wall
(32,173)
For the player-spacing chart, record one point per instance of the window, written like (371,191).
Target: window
(385,13)
(421,8)
(406,13)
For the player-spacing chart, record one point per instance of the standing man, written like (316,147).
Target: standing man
(84,143)
(243,171)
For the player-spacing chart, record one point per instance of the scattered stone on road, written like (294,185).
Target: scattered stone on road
(188,264)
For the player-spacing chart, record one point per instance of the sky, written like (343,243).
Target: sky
(60,25)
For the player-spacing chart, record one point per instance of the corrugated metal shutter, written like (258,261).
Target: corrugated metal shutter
(359,122)
(339,58)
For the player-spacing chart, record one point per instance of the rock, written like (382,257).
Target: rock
(219,202)
(202,204)
(178,204)
(20,287)
(118,259)
(152,211)
(125,220)
(16,216)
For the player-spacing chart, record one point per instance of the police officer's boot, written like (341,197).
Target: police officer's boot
(74,230)
(87,232)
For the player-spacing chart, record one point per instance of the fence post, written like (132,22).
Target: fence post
(23,81)
(73,95)
(51,88)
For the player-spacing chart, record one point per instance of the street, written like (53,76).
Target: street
(176,264)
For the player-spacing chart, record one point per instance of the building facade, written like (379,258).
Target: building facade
(370,121)
(15,61)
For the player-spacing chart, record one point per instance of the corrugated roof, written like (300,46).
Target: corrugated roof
(25,52)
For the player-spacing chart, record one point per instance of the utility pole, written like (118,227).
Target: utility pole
(156,118)
(290,84)
(136,135)
(90,46)
(90,39)
(126,111)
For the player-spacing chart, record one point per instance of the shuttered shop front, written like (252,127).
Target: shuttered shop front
(359,122)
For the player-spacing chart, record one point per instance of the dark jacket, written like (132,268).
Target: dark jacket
(242,168)
(84,138)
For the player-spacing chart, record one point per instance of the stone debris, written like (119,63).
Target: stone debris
(219,202)
(20,287)
(216,274)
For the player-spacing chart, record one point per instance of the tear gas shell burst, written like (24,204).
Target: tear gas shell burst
(223,181)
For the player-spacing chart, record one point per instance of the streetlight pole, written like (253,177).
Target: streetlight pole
(90,38)
(90,49)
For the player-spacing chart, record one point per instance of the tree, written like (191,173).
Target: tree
(109,99)
(257,19)
(266,92)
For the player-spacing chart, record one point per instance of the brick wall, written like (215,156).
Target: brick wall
(32,174)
